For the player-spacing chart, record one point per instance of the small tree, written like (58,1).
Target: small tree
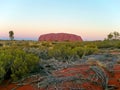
(11,35)
(110,36)
(116,35)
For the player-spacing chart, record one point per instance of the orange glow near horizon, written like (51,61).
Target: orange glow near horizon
(91,19)
(23,32)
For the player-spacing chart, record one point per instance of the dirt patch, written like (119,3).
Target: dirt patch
(85,71)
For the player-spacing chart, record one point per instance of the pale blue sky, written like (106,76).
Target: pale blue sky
(91,19)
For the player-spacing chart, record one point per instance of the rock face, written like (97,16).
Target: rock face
(60,37)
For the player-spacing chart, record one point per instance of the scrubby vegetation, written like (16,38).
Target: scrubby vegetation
(41,61)
(15,64)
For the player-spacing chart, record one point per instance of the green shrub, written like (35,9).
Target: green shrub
(16,64)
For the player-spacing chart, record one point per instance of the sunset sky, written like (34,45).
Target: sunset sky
(91,19)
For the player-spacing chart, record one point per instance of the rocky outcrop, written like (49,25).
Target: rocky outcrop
(60,37)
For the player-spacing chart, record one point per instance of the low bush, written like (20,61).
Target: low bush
(16,64)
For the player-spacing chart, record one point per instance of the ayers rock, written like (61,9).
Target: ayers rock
(60,37)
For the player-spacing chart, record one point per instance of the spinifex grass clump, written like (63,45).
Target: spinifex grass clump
(100,75)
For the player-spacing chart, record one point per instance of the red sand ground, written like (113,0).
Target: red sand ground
(114,79)
(11,86)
